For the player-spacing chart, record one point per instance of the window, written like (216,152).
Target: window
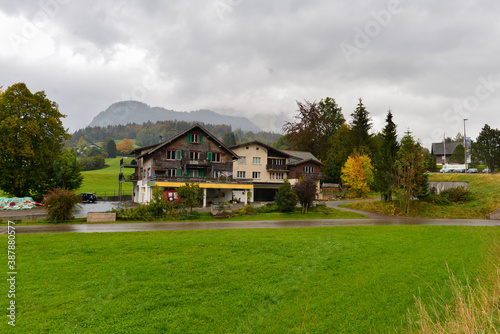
(308,169)
(255,175)
(216,157)
(242,161)
(194,155)
(171,155)
(240,174)
(256,160)
(171,172)
(193,173)
(195,138)
(277,176)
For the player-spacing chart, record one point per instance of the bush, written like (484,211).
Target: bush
(457,195)
(268,208)
(60,203)
(286,199)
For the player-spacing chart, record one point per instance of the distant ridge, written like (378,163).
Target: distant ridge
(137,112)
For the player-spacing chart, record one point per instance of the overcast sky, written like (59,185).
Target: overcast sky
(433,63)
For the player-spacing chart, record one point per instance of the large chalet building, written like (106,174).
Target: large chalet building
(250,171)
(192,156)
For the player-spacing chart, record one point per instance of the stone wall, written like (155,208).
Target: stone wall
(100,217)
(495,214)
(438,187)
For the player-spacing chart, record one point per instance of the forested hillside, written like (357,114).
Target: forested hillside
(148,133)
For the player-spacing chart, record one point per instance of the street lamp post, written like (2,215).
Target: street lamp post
(465,146)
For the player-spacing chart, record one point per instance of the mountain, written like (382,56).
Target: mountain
(137,112)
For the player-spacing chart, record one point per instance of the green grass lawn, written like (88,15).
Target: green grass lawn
(485,189)
(105,181)
(300,280)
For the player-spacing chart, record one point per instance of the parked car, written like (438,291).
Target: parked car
(459,170)
(486,170)
(472,170)
(88,197)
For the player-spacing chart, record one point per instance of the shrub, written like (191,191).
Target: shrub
(286,199)
(457,195)
(268,208)
(60,203)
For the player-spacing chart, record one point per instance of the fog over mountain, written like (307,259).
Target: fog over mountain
(137,112)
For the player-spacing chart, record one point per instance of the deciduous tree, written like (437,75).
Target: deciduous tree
(306,192)
(412,180)
(32,137)
(314,124)
(191,195)
(126,146)
(357,174)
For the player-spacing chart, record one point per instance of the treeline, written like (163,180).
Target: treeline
(149,133)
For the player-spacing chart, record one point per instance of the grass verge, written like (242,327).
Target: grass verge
(475,307)
(316,280)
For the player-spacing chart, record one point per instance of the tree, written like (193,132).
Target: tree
(384,162)
(285,199)
(146,137)
(360,129)
(32,137)
(110,147)
(306,192)
(67,171)
(229,139)
(487,147)
(191,195)
(357,174)
(339,149)
(315,124)
(412,180)
(458,156)
(126,146)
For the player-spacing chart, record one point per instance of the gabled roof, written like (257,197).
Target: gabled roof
(271,149)
(438,148)
(302,155)
(154,147)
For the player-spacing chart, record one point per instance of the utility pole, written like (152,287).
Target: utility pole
(465,146)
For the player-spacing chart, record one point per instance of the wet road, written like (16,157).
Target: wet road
(373,220)
(172,226)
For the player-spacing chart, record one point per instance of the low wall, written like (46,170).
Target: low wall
(495,214)
(439,186)
(114,198)
(100,217)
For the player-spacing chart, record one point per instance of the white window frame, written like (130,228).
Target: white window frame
(194,155)
(216,157)
(173,155)
(256,175)
(308,169)
(241,174)
(256,161)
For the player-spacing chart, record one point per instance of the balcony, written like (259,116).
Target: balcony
(314,176)
(184,179)
(278,168)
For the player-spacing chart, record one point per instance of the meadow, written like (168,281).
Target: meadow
(297,280)
(104,182)
(484,189)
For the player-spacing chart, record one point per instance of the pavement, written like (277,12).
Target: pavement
(373,220)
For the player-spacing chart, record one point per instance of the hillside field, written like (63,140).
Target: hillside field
(484,188)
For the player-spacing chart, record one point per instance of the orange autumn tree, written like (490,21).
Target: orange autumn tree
(357,174)
(126,146)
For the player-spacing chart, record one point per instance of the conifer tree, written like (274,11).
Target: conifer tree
(385,158)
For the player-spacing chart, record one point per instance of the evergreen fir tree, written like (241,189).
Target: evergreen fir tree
(360,129)
(386,156)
